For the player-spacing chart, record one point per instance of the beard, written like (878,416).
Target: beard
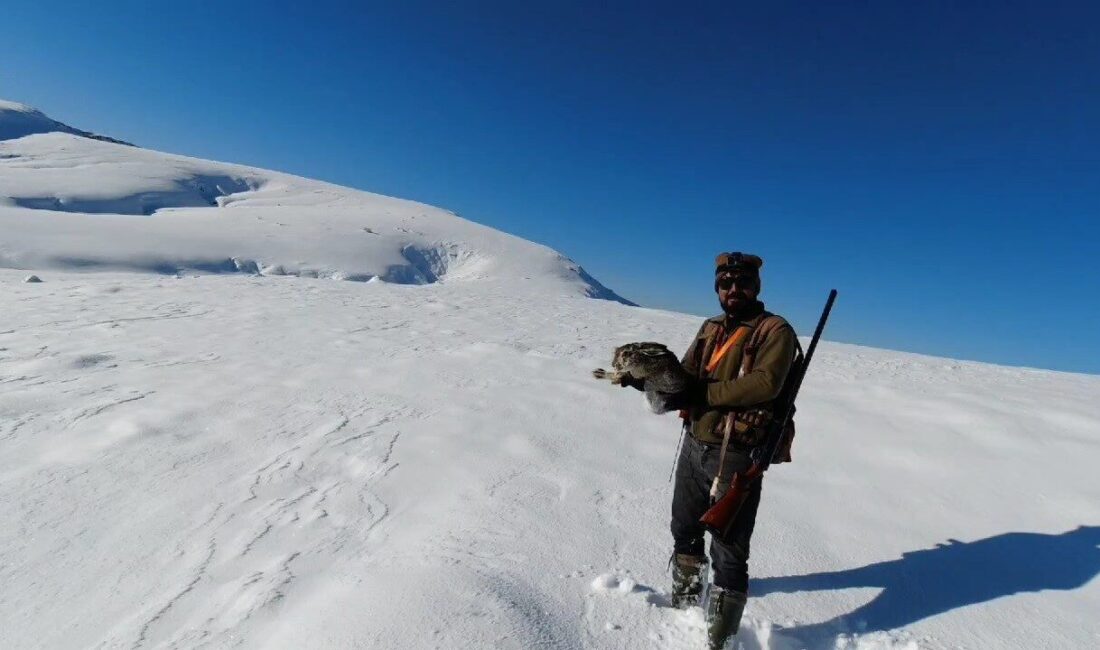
(738,303)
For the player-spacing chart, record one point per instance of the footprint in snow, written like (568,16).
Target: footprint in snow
(91,360)
(608,582)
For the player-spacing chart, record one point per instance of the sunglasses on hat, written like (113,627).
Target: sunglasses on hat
(736,260)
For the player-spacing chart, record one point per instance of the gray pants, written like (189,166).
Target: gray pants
(695,471)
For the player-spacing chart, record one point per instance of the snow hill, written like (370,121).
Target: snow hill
(198,459)
(18,120)
(170,214)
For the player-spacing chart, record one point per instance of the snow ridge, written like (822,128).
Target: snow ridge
(18,120)
(73,203)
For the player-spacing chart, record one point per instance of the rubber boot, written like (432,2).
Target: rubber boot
(687,579)
(724,610)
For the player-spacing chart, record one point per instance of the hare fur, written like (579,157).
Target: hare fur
(663,374)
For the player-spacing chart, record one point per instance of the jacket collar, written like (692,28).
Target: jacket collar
(757,314)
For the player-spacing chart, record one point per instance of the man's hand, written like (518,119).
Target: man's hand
(630,380)
(694,394)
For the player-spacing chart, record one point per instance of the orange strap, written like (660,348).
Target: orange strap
(717,355)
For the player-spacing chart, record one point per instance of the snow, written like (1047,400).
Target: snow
(157,212)
(236,459)
(18,120)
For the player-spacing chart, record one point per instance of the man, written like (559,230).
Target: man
(739,360)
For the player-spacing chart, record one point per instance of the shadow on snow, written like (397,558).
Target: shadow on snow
(948,576)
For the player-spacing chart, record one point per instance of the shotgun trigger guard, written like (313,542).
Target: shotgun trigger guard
(756,455)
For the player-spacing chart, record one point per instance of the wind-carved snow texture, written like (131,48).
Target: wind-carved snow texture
(253,544)
(426,265)
(266,462)
(74,203)
(188,192)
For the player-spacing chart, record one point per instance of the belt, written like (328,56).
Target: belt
(733,444)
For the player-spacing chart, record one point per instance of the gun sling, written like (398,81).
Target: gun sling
(748,355)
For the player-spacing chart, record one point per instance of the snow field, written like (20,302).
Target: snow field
(266,462)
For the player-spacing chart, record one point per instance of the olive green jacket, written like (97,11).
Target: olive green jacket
(725,391)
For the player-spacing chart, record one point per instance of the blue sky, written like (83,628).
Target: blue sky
(937,162)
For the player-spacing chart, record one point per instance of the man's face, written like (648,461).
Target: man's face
(736,289)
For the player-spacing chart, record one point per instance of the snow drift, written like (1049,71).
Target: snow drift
(68,201)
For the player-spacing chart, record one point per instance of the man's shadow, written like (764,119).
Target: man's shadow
(932,581)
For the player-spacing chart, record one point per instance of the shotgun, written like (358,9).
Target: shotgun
(722,514)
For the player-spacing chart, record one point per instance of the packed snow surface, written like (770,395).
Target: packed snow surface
(224,461)
(215,454)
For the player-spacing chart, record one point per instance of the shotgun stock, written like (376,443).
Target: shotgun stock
(722,514)
(724,511)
